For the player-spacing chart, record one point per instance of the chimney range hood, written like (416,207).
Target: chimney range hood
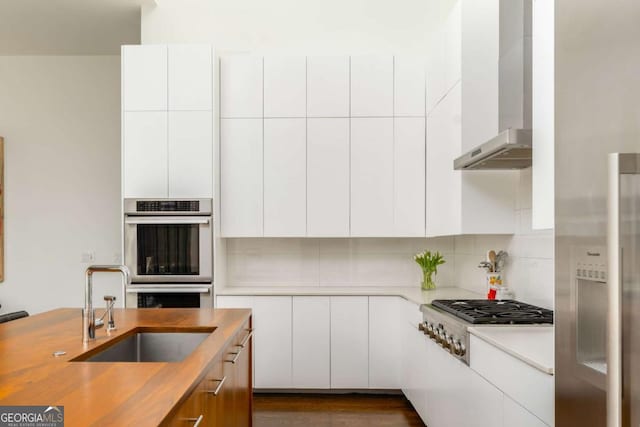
(511,147)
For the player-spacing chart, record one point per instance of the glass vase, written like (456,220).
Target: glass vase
(427,281)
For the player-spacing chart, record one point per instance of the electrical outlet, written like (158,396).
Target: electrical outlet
(87,257)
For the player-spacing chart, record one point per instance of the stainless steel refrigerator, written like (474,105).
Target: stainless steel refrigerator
(597,212)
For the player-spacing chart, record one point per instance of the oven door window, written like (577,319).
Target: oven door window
(168,249)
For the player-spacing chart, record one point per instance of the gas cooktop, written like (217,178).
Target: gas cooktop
(495,312)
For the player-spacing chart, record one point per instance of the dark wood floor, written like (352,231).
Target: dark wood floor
(318,410)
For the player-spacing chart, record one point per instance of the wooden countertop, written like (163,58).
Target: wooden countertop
(101,393)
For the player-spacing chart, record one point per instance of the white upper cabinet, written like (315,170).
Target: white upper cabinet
(409,177)
(328,86)
(452,46)
(444,53)
(372,177)
(328,177)
(409,86)
(144,78)
(190,77)
(241,87)
(167,127)
(241,183)
(285,177)
(480,54)
(444,192)
(190,154)
(145,154)
(285,86)
(372,86)
(542,215)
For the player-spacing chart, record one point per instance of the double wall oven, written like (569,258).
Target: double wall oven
(168,248)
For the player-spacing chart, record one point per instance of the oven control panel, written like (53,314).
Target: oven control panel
(438,333)
(447,332)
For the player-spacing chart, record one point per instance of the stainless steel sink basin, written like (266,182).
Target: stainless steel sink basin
(150,347)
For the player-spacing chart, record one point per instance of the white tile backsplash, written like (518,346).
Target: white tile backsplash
(389,261)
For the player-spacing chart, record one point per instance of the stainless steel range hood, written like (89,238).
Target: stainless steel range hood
(510,149)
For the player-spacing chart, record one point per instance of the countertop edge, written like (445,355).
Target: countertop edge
(505,348)
(411,294)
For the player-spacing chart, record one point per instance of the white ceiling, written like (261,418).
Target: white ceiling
(68,27)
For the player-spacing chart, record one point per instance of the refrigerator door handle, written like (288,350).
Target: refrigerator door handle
(619,164)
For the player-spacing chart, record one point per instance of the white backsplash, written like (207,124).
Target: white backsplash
(389,261)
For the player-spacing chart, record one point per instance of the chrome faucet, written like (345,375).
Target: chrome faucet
(88,314)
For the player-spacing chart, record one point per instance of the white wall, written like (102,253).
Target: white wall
(389,262)
(311,27)
(60,116)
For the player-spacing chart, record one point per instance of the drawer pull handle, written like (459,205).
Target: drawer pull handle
(219,387)
(196,421)
(235,358)
(246,339)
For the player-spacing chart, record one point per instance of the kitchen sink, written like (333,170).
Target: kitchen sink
(150,346)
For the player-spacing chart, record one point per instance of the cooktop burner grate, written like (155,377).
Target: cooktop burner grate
(493,312)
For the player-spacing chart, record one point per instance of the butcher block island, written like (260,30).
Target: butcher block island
(205,380)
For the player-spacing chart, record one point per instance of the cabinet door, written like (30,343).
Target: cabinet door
(409,87)
(241,86)
(458,396)
(241,178)
(285,86)
(285,189)
(452,45)
(328,86)
(311,342)
(328,177)
(444,185)
(480,51)
(349,342)
(372,86)
(190,78)
(144,78)
(190,154)
(243,386)
(409,172)
(216,394)
(516,415)
(371,177)
(542,115)
(385,342)
(145,154)
(272,340)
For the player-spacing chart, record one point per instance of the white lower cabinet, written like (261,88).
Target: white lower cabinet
(385,343)
(272,341)
(311,342)
(271,337)
(349,342)
(516,415)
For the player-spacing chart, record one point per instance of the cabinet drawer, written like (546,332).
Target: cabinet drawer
(529,387)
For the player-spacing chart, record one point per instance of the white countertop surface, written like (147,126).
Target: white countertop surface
(533,345)
(413,294)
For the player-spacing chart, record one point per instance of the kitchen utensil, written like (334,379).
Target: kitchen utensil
(491,257)
(501,259)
